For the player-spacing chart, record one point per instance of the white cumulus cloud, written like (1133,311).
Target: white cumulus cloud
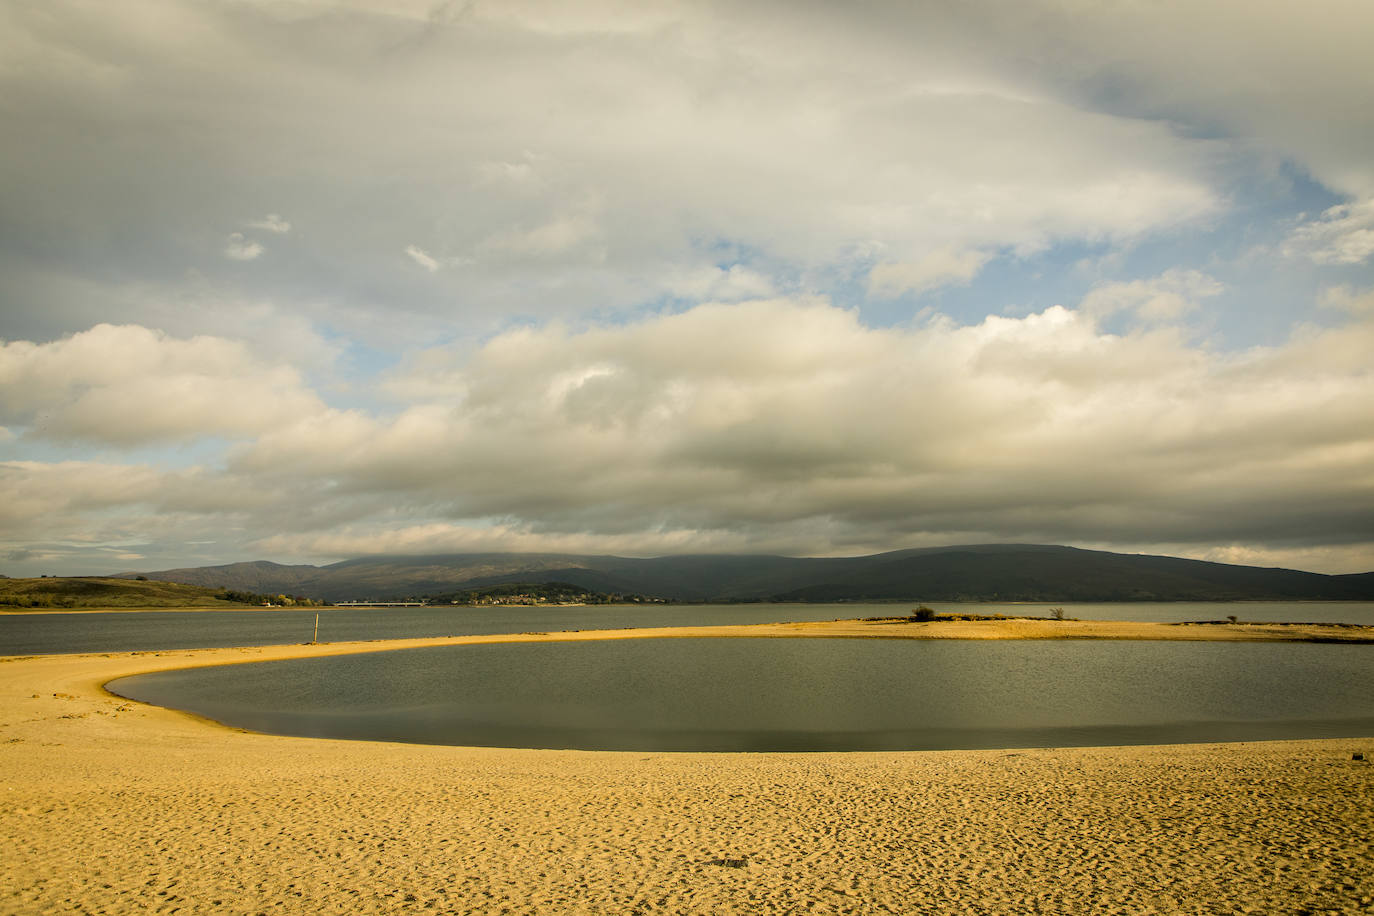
(1162,299)
(938,268)
(1344,234)
(240,248)
(1349,299)
(272,222)
(782,424)
(792,422)
(129,385)
(422,257)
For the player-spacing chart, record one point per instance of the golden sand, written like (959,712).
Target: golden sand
(115,807)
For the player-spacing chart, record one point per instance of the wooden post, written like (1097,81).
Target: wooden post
(316,638)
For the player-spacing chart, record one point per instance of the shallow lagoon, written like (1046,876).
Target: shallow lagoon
(794,694)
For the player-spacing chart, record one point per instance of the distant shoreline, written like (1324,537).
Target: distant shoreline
(184,609)
(33,611)
(975,627)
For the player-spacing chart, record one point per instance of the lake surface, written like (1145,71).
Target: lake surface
(793,694)
(42,634)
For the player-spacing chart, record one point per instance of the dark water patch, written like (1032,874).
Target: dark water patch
(793,694)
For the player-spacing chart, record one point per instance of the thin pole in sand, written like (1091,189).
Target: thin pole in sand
(316,638)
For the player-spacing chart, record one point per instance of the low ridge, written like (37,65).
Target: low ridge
(982,572)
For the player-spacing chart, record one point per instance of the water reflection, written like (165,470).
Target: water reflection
(794,694)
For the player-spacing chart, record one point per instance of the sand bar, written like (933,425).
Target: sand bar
(1037,628)
(116,807)
(947,627)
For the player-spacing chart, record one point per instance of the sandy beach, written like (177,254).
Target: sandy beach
(116,807)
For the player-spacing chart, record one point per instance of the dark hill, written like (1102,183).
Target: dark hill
(113,592)
(258,576)
(1039,573)
(985,572)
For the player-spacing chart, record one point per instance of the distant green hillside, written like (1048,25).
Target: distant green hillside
(95,592)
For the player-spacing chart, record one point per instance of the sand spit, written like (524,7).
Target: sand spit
(1036,628)
(116,807)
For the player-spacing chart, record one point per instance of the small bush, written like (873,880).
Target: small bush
(923,614)
(1057,613)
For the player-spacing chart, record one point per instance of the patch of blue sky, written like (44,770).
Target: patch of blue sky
(723,255)
(351,384)
(1264,292)
(114,554)
(1006,285)
(359,357)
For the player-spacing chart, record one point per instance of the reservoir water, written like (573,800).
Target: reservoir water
(41,634)
(793,694)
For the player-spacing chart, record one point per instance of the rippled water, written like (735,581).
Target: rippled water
(794,694)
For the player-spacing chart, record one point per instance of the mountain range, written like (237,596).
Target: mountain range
(982,572)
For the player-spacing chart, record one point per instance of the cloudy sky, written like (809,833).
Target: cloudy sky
(309,280)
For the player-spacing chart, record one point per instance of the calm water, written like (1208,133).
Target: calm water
(794,694)
(39,634)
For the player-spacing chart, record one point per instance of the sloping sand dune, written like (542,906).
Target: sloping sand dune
(114,807)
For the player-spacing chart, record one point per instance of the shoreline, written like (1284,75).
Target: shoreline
(903,628)
(175,609)
(88,673)
(114,806)
(876,602)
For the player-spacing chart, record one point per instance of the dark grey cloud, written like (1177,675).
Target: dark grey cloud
(318,279)
(539,167)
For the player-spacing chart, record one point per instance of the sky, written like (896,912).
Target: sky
(309,280)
